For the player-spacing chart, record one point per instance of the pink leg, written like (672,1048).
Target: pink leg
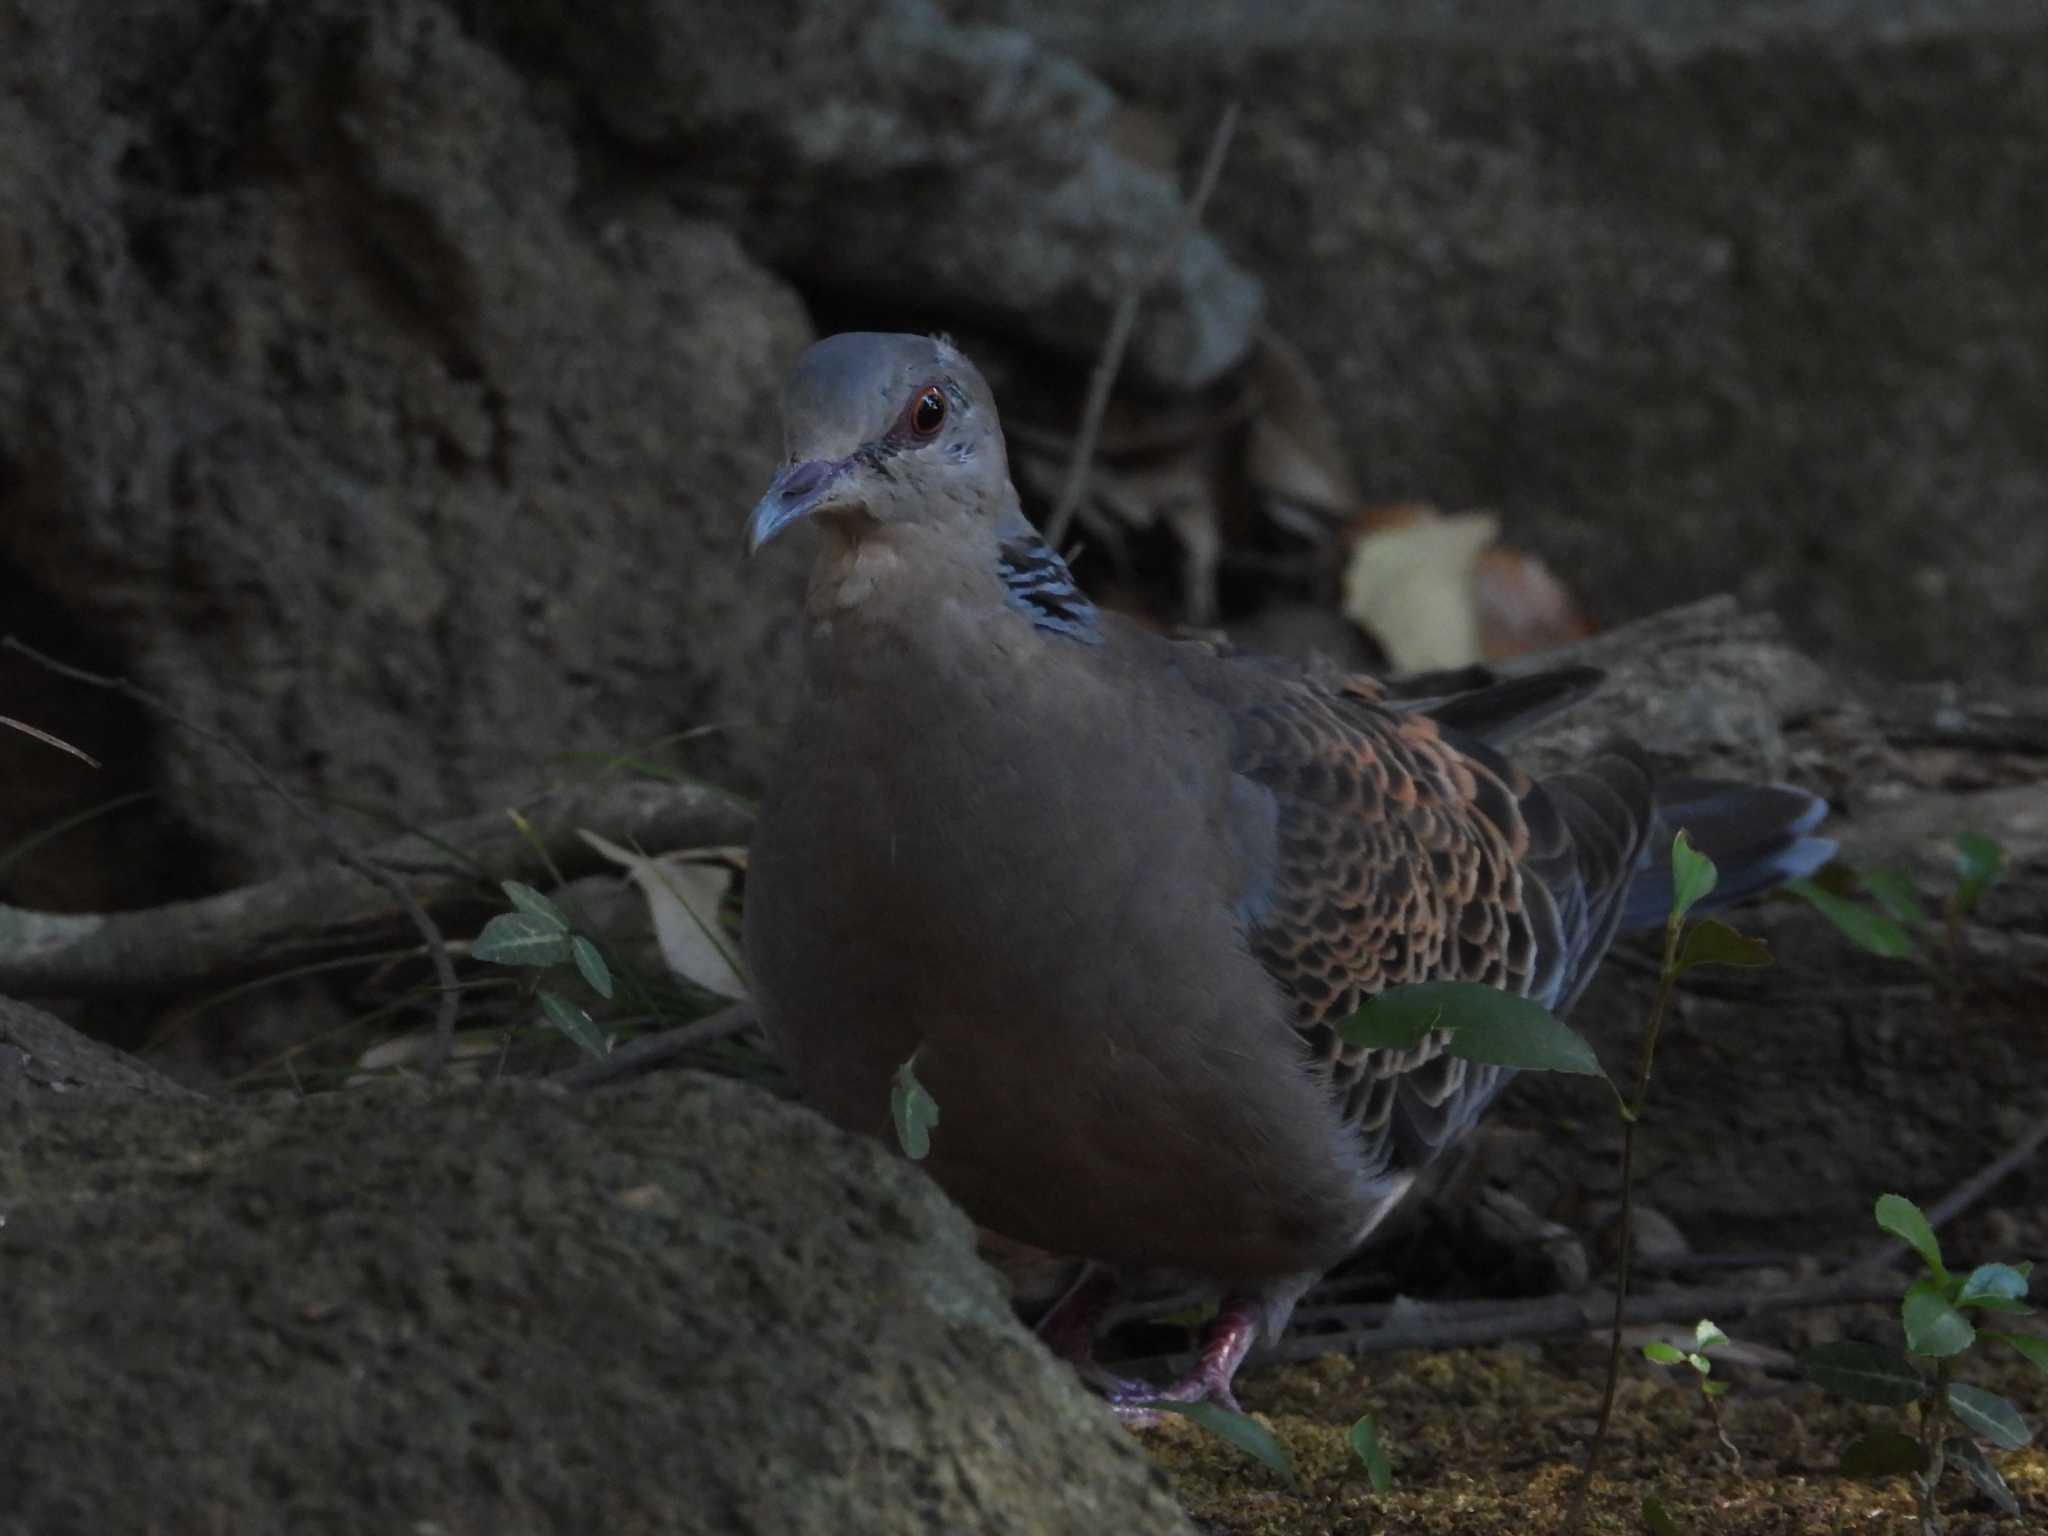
(1225,1342)
(1068,1330)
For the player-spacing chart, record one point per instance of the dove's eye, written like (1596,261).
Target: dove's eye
(928,411)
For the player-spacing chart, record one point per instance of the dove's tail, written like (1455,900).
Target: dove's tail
(1756,834)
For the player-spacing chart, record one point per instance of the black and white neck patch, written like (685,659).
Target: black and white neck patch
(1037,581)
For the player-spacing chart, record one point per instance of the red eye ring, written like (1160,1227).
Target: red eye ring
(928,412)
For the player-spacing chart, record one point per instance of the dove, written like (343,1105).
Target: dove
(1113,893)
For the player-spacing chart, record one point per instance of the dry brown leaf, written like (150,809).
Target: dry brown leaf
(1293,459)
(1523,607)
(1435,590)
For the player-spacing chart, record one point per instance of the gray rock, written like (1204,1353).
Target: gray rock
(927,168)
(42,1060)
(332,410)
(681,1308)
(1703,296)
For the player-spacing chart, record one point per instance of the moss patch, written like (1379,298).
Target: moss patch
(1486,1441)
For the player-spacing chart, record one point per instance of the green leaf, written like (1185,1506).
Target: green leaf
(533,904)
(1880,1454)
(1396,1019)
(2029,1345)
(1968,1455)
(1660,1353)
(1865,1373)
(1242,1431)
(1484,1024)
(1998,1286)
(1894,892)
(1988,1416)
(590,964)
(1979,864)
(1692,876)
(1706,1336)
(1712,942)
(1933,1326)
(1714,1388)
(915,1112)
(1657,1519)
(1700,1363)
(520,938)
(1862,927)
(576,1024)
(1365,1445)
(1905,1221)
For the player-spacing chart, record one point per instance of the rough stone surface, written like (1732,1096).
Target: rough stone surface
(43,1059)
(335,409)
(684,1307)
(1704,689)
(1704,297)
(924,168)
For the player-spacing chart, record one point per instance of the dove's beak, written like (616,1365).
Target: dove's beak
(799,491)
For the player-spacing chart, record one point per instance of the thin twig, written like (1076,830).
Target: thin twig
(49,741)
(650,1051)
(1963,1196)
(1121,323)
(1631,1118)
(1394,1327)
(319,911)
(429,930)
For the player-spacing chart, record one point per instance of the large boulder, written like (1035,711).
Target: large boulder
(1704,296)
(683,1308)
(921,170)
(342,409)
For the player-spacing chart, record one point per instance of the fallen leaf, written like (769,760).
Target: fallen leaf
(683,892)
(1409,583)
(1436,591)
(1523,607)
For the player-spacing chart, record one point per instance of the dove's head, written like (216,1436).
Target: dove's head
(882,429)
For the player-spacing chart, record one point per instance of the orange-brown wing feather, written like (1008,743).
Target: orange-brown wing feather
(1407,854)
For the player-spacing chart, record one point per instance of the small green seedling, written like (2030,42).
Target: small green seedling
(1894,926)
(1943,1316)
(914,1112)
(1365,1445)
(1485,1025)
(537,935)
(1705,1336)
(1242,1431)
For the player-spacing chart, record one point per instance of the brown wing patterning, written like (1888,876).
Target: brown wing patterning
(1402,856)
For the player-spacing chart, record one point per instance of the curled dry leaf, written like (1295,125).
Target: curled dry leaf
(683,892)
(1262,441)
(1523,607)
(1176,487)
(1293,459)
(1436,592)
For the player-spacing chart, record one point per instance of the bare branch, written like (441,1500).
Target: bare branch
(1881,1256)
(1121,324)
(48,740)
(331,909)
(1390,1328)
(651,1051)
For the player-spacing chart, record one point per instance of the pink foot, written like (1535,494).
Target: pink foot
(1068,1330)
(1225,1342)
